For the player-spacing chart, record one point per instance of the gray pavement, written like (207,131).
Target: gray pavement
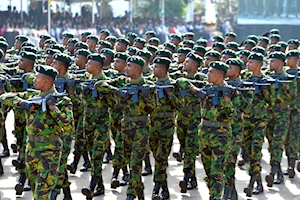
(289,190)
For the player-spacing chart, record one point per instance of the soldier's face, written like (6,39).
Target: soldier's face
(65,41)
(71,47)
(18,44)
(213,75)
(102,36)
(83,38)
(292,61)
(181,58)
(262,44)
(23,62)
(46,46)
(174,41)
(39,81)
(91,43)
(138,45)
(41,43)
(273,41)
(119,64)
(187,64)
(244,59)
(248,47)
(56,65)
(233,71)
(228,39)
(120,47)
(217,49)
(274,63)
(80,60)
(292,47)
(225,57)
(159,70)
(251,65)
(91,65)
(132,69)
(208,60)
(49,59)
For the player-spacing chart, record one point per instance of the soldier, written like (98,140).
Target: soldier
(263,42)
(199,50)
(241,102)
(154,41)
(103,45)
(218,38)
(248,44)
(43,146)
(234,46)
(176,40)
(92,42)
(293,44)
(84,35)
(283,46)
(130,37)
(169,46)
(210,56)
(292,140)
(162,127)
(202,42)
(43,38)
(279,120)
(49,57)
(66,37)
(139,43)
(18,45)
(216,131)
(146,55)
(188,44)
(226,54)
(149,34)
(274,39)
(109,56)
(96,123)
(112,40)
(81,45)
(71,46)
(178,66)
(255,121)
(218,46)
(48,43)
(230,37)
(104,33)
(121,45)
(188,36)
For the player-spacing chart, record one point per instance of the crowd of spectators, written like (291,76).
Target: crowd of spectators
(35,23)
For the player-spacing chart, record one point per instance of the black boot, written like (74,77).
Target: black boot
(183,184)
(89,192)
(114,180)
(5,152)
(259,188)
(178,156)
(140,195)
(280,178)
(54,195)
(73,166)
(165,194)
(108,156)
(270,177)
(248,190)
(20,185)
(125,177)
(1,168)
(14,147)
(234,194)
(100,188)
(67,193)
(147,170)
(291,169)
(226,193)
(130,197)
(192,183)
(86,165)
(155,193)
(298,166)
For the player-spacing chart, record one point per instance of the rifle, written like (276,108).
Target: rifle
(43,100)
(164,87)
(78,71)
(255,85)
(19,78)
(277,81)
(134,91)
(2,82)
(60,83)
(90,85)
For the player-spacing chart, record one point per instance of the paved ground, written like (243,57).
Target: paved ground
(289,190)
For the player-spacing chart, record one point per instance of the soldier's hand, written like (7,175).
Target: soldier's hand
(227,99)
(29,106)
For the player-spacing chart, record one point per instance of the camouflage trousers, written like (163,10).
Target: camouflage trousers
(118,156)
(214,150)
(236,144)
(80,143)
(62,171)
(135,141)
(42,164)
(161,140)
(188,135)
(21,136)
(96,129)
(292,140)
(254,132)
(276,133)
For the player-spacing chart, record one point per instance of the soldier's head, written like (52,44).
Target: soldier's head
(249,44)
(135,66)
(293,44)
(27,61)
(276,61)
(130,37)
(43,38)
(109,56)
(161,66)
(217,72)
(275,38)
(92,41)
(149,34)
(263,42)
(45,77)
(188,36)
(83,36)
(81,57)
(112,40)
(120,61)
(292,58)
(49,55)
(61,63)
(226,54)
(244,54)
(175,39)
(255,62)
(230,37)
(192,63)
(121,45)
(182,53)
(103,34)
(146,55)
(71,45)
(66,37)
(19,41)
(95,63)
(3,46)
(211,56)
(139,43)
(235,67)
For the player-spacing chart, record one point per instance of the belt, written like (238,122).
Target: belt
(95,110)
(165,115)
(46,138)
(258,110)
(141,118)
(215,124)
(282,105)
(191,108)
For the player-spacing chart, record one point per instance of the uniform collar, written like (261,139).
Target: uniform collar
(165,79)
(136,81)
(50,91)
(100,75)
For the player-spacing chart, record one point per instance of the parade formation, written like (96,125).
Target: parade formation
(219,100)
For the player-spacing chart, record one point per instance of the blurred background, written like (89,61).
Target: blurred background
(205,18)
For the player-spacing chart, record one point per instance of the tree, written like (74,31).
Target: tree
(152,8)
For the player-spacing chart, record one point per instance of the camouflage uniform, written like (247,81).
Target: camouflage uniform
(215,136)
(44,146)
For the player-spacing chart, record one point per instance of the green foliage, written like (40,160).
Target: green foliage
(152,8)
